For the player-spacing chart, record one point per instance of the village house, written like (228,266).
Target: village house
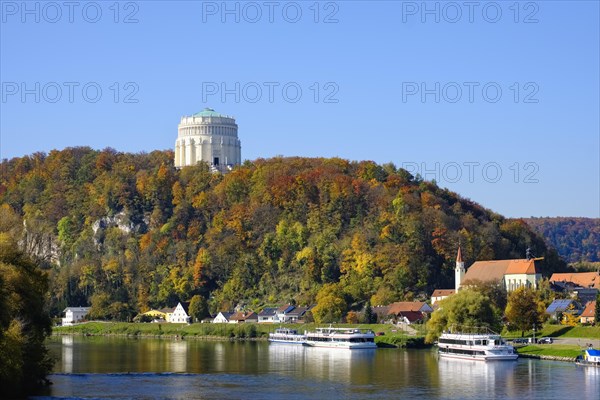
(580,279)
(409,312)
(242,317)
(159,315)
(180,314)
(297,314)
(222,317)
(561,306)
(441,294)
(74,315)
(583,286)
(589,313)
(282,313)
(268,315)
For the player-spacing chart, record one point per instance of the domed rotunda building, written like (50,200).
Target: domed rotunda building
(208,137)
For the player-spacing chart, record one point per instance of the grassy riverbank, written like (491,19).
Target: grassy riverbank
(583,332)
(392,336)
(550,350)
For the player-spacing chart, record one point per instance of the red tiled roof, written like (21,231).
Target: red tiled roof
(584,279)
(442,292)
(521,267)
(411,316)
(240,316)
(405,306)
(590,309)
(486,271)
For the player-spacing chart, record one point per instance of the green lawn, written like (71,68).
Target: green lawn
(587,332)
(392,335)
(557,350)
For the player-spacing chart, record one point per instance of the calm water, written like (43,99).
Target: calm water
(101,367)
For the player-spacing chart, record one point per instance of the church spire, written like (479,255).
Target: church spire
(459,271)
(459,255)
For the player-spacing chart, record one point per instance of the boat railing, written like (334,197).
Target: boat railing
(457,329)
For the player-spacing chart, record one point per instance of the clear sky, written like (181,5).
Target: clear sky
(498,101)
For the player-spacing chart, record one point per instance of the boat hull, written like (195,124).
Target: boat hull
(288,341)
(508,357)
(347,346)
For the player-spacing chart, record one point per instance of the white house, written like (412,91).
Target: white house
(441,294)
(222,317)
(74,315)
(179,314)
(282,313)
(268,316)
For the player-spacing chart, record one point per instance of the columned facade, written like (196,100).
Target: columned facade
(208,137)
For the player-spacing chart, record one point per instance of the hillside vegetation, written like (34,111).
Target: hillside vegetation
(575,239)
(126,232)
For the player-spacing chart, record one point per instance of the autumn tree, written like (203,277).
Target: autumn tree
(331,305)
(129,232)
(524,310)
(570,317)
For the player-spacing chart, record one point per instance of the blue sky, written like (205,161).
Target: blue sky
(498,101)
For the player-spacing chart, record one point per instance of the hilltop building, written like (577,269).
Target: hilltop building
(208,137)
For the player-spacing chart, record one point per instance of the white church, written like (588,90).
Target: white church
(208,137)
(512,274)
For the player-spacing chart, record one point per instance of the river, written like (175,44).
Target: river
(120,368)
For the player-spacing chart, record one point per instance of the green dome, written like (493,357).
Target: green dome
(209,112)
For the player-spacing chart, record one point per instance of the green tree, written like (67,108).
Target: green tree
(369,316)
(198,308)
(524,310)
(24,324)
(467,310)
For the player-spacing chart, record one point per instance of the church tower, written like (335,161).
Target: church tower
(208,137)
(459,270)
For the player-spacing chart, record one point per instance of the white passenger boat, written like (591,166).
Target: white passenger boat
(475,346)
(285,335)
(342,338)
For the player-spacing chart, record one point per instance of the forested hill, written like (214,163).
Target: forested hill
(575,239)
(126,232)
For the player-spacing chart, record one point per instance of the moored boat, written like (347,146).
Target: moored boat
(589,358)
(475,346)
(285,335)
(341,338)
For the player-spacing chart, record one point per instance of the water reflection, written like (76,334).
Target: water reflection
(157,368)
(176,353)
(67,353)
(469,378)
(320,363)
